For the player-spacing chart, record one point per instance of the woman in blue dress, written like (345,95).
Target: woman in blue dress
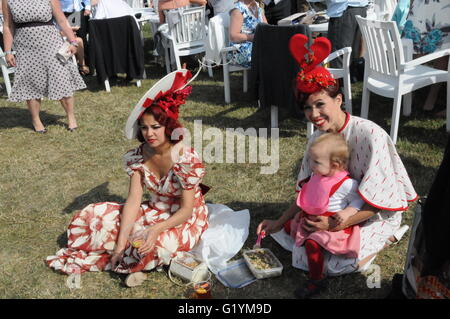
(245,16)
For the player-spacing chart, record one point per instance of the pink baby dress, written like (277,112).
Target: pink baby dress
(314,199)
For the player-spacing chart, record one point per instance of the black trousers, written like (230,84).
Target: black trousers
(82,32)
(275,12)
(344,32)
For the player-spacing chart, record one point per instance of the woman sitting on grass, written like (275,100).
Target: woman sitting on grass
(384,184)
(135,236)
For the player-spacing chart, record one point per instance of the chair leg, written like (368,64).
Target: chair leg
(348,93)
(273,116)
(407,98)
(226,83)
(7,83)
(396,117)
(107,87)
(167,58)
(245,80)
(210,70)
(309,129)
(365,103)
(177,60)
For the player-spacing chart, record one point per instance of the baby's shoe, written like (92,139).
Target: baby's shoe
(312,288)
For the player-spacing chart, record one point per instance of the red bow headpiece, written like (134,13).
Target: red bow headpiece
(171,99)
(311,78)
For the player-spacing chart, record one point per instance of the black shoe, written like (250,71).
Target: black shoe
(41,131)
(312,288)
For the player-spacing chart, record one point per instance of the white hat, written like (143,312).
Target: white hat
(163,85)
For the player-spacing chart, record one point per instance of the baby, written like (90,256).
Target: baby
(329,191)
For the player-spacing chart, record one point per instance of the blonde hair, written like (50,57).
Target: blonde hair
(338,147)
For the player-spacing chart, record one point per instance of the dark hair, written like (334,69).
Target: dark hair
(332,91)
(161,117)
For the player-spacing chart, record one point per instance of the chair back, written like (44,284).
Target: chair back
(187,26)
(136,4)
(384,50)
(74,19)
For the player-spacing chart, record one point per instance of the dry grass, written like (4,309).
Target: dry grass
(45,179)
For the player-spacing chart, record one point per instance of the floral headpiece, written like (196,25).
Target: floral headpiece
(169,93)
(171,100)
(311,78)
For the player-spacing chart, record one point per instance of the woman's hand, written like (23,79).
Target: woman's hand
(72,49)
(269,226)
(10,59)
(316,223)
(150,236)
(116,258)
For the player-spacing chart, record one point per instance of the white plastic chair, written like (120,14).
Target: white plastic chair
(343,74)
(219,41)
(387,74)
(184,37)
(6,71)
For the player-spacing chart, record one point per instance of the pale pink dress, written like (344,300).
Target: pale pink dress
(93,231)
(313,199)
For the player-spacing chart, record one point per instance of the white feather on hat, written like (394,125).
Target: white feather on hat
(163,85)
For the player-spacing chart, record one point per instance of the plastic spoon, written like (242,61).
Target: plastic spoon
(258,241)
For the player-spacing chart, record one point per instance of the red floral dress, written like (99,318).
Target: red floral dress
(93,231)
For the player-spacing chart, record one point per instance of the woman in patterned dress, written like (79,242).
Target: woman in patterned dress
(39,73)
(428,26)
(175,217)
(384,184)
(245,16)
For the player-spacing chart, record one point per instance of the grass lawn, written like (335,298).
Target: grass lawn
(46,178)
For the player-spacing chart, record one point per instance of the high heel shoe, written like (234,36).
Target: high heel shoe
(41,131)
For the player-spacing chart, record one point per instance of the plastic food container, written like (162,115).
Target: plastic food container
(268,258)
(236,274)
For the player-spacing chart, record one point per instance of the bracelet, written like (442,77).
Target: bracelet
(7,52)
(74,43)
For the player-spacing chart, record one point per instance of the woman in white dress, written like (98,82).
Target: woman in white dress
(383,181)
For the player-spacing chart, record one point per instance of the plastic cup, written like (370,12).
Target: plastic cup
(201,290)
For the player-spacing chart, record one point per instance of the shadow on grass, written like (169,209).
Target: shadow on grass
(11,117)
(98,194)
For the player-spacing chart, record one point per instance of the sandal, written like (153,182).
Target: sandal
(84,69)
(135,279)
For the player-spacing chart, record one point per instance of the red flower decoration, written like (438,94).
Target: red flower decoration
(171,100)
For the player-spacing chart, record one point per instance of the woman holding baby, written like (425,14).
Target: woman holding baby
(349,206)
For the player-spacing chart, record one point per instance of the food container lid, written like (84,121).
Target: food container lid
(236,274)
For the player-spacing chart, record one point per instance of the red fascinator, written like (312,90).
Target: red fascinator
(312,77)
(169,93)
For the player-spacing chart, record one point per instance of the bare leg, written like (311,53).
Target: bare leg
(440,64)
(35,106)
(68,105)
(80,57)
